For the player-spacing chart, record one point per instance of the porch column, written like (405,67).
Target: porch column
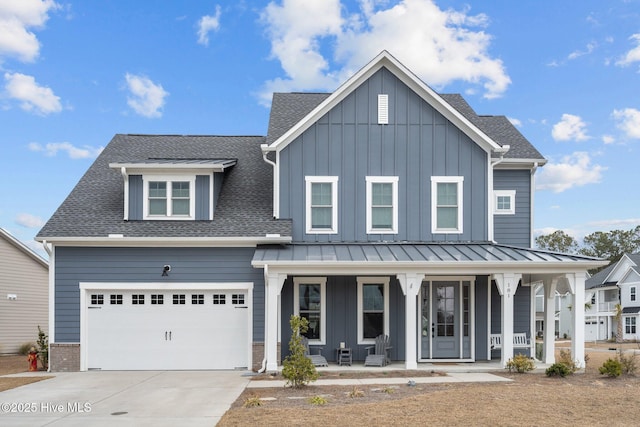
(507,284)
(273,285)
(549,355)
(576,284)
(410,284)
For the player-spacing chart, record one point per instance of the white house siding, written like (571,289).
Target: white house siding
(27,279)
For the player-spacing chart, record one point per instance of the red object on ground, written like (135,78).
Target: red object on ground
(33,360)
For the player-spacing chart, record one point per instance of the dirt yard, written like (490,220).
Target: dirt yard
(530,399)
(15,365)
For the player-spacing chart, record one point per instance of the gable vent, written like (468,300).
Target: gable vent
(383,109)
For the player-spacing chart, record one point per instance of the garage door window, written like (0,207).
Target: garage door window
(116,299)
(179,299)
(197,299)
(137,299)
(157,299)
(97,299)
(219,299)
(237,299)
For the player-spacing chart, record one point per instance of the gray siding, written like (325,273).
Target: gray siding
(514,229)
(481,294)
(140,265)
(342,321)
(135,197)
(417,143)
(202,197)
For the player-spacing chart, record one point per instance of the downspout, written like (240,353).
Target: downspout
(532,192)
(502,151)
(263,367)
(265,150)
(46,247)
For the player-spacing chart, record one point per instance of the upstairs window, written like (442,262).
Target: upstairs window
(505,202)
(632,290)
(322,204)
(169,197)
(382,204)
(446,204)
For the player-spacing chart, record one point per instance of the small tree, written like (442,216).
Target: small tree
(618,317)
(43,348)
(297,367)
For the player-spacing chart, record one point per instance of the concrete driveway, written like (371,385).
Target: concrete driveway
(153,398)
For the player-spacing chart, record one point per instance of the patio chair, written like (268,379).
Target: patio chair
(380,355)
(316,359)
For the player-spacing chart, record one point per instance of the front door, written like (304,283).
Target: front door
(445,319)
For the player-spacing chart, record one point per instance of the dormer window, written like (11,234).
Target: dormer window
(169,197)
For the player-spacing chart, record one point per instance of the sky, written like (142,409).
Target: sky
(75,73)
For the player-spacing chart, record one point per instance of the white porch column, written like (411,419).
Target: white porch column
(507,284)
(273,284)
(410,284)
(576,284)
(549,320)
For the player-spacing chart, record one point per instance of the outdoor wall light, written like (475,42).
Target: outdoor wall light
(166,269)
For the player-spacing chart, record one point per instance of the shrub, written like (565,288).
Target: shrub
(297,368)
(611,368)
(356,392)
(24,348)
(43,348)
(628,362)
(565,359)
(558,370)
(520,363)
(318,400)
(252,402)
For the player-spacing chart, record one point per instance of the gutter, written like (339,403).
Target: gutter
(266,149)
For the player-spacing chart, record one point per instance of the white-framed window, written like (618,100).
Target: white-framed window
(446,204)
(382,204)
(373,308)
(629,325)
(310,296)
(632,294)
(322,204)
(504,202)
(169,197)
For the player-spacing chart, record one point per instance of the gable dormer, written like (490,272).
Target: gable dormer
(160,189)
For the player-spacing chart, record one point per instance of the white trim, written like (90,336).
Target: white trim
(368,280)
(110,241)
(309,181)
(393,180)
(52,296)
(169,179)
(212,193)
(322,281)
(86,287)
(137,168)
(435,180)
(511,195)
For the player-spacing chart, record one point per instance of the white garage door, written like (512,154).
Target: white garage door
(167,330)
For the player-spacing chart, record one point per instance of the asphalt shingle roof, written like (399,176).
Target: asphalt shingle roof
(95,206)
(598,279)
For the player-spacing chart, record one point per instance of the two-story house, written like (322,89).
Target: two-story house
(380,208)
(619,283)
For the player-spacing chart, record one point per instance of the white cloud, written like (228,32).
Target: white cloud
(515,122)
(633,55)
(578,53)
(570,128)
(17,18)
(628,121)
(440,46)
(145,97)
(207,24)
(51,149)
(29,221)
(608,139)
(33,97)
(574,170)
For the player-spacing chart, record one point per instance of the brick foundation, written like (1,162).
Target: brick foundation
(64,357)
(258,355)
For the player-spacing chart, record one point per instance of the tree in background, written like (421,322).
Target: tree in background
(558,241)
(611,245)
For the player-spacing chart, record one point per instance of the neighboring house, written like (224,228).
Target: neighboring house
(562,317)
(381,208)
(619,283)
(24,294)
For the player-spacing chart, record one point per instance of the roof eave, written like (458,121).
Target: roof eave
(119,240)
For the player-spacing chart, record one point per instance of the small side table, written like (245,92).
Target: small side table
(344,356)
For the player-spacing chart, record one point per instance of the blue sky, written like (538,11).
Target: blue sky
(73,74)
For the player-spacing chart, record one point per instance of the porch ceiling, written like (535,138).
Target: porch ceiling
(433,258)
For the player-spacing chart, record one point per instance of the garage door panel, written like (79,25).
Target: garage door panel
(194,334)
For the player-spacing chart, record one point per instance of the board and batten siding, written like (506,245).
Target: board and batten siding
(28,280)
(144,265)
(514,229)
(417,143)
